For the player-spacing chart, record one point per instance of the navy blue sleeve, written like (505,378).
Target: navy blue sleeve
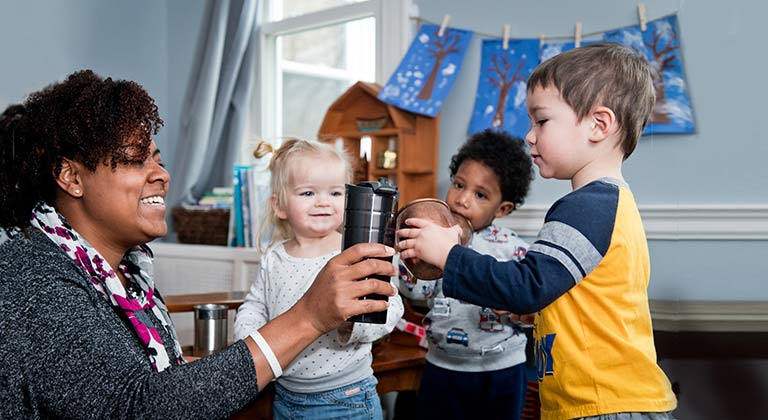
(576,235)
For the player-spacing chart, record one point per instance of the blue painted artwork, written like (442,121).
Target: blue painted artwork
(550,49)
(660,45)
(501,87)
(427,72)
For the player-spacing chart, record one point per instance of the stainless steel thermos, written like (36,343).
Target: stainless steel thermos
(369,216)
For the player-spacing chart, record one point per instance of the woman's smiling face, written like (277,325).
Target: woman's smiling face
(125,206)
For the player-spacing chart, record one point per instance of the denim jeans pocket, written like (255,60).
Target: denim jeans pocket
(355,401)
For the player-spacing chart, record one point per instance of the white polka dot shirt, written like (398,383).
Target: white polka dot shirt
(337,358)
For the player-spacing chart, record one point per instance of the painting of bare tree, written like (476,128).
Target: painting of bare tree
(500,99)
(660,45)
(550,49)
(426,73)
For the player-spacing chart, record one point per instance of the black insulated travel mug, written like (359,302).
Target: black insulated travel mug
(369,216)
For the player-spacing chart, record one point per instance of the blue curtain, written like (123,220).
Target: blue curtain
(214,116)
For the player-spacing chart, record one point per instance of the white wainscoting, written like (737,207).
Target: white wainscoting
(183,269)
(681,222)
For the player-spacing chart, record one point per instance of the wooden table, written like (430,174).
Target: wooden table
(186,303)
(397,361)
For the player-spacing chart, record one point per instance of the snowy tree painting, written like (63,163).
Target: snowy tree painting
(660,45)
(551,49)
(427,72)
(500,98)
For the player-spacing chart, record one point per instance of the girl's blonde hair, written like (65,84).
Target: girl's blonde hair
(280,169)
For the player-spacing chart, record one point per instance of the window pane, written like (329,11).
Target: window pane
(289,8)
(348,46)
(317,66)
(305,101)
(324,46)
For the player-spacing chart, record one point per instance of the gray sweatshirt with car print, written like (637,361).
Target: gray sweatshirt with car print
(465,337)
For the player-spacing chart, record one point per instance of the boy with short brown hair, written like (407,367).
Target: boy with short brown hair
(587,273)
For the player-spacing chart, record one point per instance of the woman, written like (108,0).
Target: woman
(84,332)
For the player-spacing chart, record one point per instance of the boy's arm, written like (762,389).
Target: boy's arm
(521,287)
(576,235)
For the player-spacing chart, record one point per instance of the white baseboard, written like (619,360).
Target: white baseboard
(672,222)
(720,316)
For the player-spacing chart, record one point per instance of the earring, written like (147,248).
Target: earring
(77,191)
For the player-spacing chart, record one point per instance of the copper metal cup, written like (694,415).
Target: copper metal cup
(438,212)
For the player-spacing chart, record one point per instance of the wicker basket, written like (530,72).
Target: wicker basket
(201,226)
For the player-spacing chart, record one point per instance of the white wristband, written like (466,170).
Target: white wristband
(274,364)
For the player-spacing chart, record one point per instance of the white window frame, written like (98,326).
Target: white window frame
(393,35)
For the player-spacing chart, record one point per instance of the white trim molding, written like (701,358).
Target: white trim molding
(672,222)
(173,256)
(719,316)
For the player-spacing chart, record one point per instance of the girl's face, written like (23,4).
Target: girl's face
(314,204)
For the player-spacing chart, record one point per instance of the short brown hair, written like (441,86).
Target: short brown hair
(606,74)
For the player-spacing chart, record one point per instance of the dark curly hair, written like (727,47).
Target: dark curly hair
(505,155)
(85,118)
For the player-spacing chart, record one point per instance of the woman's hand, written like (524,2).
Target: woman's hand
(427,241)
(334,295)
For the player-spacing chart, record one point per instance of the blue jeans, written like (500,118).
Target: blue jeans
(357,401)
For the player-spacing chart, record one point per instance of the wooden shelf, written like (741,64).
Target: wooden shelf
(383,172)
(360,134)
(426,171)
(414,137)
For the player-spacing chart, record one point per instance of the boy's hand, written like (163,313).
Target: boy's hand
(525,319)
(427,241)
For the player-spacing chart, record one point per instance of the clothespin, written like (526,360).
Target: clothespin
(505,42)
(446,19)
(542,36)
(577,37)
(641,16)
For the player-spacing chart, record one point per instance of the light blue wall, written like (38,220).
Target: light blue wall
(723,163)
(45,40)
(148,41)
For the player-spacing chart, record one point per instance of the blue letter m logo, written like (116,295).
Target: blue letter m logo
(544,360)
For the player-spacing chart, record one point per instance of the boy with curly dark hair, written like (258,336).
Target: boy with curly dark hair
(476,359)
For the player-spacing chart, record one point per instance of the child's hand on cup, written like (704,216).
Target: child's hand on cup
(427,241)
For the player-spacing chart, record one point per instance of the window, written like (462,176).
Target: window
(313,50)
(315,66)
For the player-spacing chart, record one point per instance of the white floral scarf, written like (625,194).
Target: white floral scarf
(133,303)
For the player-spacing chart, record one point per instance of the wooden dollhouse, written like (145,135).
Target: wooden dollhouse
(413,138)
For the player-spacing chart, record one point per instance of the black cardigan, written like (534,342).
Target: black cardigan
(65,353)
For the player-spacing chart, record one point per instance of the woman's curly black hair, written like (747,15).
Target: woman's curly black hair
(85,118)
(505,155)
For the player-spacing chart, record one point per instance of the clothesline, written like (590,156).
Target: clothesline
(419,20)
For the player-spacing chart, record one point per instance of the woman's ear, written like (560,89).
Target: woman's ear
(69,179)
(602,123)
